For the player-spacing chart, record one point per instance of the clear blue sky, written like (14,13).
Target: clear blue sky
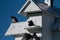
(10,8)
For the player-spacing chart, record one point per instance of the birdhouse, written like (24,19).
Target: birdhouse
(39,13)
(42,15)
(40,19)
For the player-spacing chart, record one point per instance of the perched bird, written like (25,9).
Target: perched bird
(27,36)
(30,23)
(36,37)
(14,19)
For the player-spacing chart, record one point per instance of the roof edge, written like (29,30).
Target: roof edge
(24,6)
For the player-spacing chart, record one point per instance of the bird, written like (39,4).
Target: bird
(35,36)
(30,23)
(27,36)
(14,19)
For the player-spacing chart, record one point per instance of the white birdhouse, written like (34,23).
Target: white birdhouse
(40,19)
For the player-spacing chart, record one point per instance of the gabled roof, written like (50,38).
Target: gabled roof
(54,11)
(56,25)
(29,6)
(17,29)
(34,5)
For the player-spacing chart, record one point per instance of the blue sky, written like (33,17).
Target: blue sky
(10,8)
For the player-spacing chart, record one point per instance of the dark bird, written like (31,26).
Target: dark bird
(30,23)
(27,36)
(36,37)
(14,19)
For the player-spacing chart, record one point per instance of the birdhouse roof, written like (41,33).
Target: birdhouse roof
(17,29)
(56,25)
(29,6)
(35,6)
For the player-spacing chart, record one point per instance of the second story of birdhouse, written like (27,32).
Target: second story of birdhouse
(35,7)
(38,12)
(42,14)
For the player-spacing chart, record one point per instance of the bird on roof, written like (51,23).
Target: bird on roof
(14,19)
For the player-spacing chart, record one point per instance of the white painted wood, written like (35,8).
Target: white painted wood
(32,7)
(48,2)
(39,34)
(17,28)
(36,19)
(18,38)
(34,29)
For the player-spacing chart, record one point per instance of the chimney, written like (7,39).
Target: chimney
(49,2)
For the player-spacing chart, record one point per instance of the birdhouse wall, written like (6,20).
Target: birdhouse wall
(36,18)
(47,23)
(56,35)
